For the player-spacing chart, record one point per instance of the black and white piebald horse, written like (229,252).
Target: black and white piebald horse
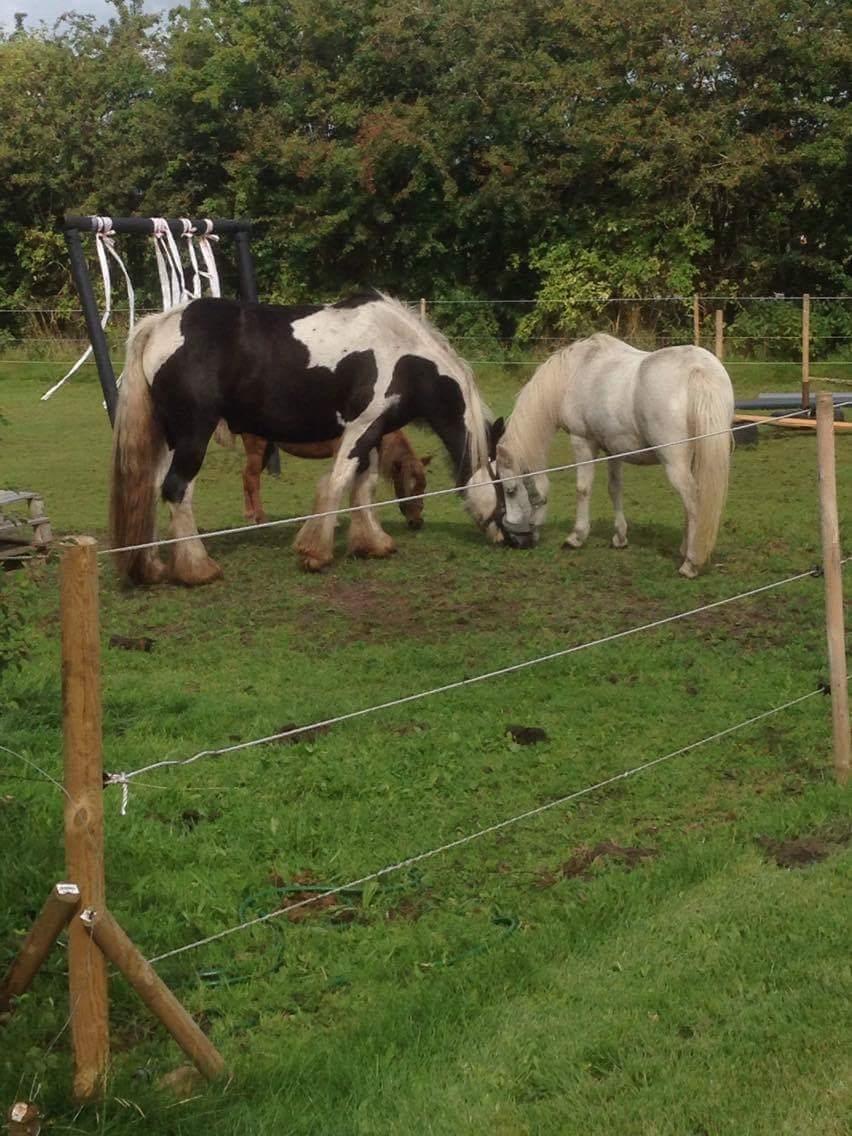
(355,370)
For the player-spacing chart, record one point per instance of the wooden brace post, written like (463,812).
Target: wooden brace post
(127,958)
(51,921)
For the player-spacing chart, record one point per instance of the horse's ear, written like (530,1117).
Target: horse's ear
(424,461)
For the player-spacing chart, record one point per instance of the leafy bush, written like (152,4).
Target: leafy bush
(17,602)
(769,329)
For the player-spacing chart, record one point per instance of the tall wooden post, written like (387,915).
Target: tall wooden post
(806,352)
(720,334)
(84,837)
(833,587)
(696,321)
(423,308)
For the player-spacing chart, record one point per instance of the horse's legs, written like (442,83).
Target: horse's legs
(190,563)
(615,471)
(314,542)
(154,569)
(366,535)
(584,451)
(677,466)
(255,450)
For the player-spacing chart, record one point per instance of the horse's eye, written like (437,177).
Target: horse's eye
(511,490)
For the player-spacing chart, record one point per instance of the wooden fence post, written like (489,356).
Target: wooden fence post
(833,587)
(720,334)
(806,352)
(696,321)
(84,851)
(423,308)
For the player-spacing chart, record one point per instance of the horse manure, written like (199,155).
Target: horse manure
(129,643)
(527,735)
(303,735)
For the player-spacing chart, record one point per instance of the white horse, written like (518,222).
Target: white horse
(608,396)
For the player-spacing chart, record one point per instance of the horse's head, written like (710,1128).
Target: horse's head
(524,500)
(484,495)
(409,480)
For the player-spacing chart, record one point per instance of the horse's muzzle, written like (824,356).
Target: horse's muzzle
(519,539)
(415,523)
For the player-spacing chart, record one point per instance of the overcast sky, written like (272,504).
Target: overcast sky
(51,10)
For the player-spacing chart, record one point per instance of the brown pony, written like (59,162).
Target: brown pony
(398,463)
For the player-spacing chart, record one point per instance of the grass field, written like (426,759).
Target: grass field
(643,961)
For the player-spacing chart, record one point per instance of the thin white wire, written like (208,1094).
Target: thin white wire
(124,778)
(420,857)
(610,300)
(495,362)
(453,489)
(38,768)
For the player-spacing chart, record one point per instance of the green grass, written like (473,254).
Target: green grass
(700,992)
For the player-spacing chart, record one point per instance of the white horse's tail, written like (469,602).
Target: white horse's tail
(710,411)
(138,449)
(222,436)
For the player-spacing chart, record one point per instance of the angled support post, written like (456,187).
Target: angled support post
(51,921)
(127,958)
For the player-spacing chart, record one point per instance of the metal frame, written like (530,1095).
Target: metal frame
(73,226)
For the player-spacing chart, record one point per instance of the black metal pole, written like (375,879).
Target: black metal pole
(144,226)
(245,267)
(80,273)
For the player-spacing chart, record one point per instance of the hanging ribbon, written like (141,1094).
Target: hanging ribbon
(105,248)
(212,273)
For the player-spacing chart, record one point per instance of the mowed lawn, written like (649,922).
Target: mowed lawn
(666,956)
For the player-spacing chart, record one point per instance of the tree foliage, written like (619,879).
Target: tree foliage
(426,146)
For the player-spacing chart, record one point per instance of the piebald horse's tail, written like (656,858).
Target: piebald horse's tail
(710,411)
(138,452)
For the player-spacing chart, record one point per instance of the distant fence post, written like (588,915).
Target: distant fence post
(720,334)
(833,587)
(696,321)
(423,309)
(806,352)
(84,812)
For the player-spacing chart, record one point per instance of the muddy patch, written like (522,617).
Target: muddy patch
(581,863)
(802,851)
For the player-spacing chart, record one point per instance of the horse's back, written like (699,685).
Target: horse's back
(625,399)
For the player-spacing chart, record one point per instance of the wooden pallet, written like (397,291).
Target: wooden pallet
(21,536)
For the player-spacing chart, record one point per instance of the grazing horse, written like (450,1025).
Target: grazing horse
(398,463)
(354,370)
(608,396)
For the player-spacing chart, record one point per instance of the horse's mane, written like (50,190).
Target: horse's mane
(534,418)
(477,412)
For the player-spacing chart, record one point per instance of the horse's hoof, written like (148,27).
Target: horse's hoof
(313,563)
(619,541)
(375,551)
(151,571)
(260,518)
(196,573)
(688,570)
(573,541)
